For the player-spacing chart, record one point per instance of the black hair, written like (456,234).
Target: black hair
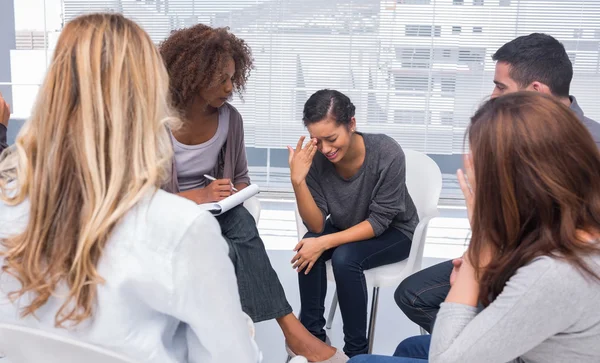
(538,57)
(328,102)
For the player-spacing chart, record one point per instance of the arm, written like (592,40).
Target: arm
(310,198)
(240,178)
(390,197)
(360,232)
(311,201)
(206,297)
(518,320)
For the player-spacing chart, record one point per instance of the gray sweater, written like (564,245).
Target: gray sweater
(376,193)
(548,312)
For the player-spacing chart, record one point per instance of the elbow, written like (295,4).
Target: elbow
(316,228)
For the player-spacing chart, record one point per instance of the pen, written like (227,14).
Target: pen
(212,178)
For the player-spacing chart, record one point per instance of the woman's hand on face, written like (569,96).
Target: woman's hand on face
(466,179)
(300,159)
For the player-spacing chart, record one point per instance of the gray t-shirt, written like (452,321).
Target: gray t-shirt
(193,161)
(376,193)
(547,313)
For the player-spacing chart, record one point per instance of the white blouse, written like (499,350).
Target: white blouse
(170,293)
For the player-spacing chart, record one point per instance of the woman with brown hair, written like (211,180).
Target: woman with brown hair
(533,196)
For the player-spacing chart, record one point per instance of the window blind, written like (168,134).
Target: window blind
(415,69)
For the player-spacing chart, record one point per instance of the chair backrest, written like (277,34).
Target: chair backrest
(20,344)
(253,206)
(424,184)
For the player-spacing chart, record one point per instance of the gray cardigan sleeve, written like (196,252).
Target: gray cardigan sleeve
(532,308)
(3,142)
(238,152)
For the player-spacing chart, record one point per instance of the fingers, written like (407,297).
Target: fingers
(464,185)
(309,144)
(297,262)
(468,162)
(298,246)
(300,142)
(310,266)
(303,265)
(290,155)
(313,151)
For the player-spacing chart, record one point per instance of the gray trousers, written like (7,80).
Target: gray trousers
(261,294)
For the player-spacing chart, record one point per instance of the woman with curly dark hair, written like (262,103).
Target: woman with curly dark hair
(206,65)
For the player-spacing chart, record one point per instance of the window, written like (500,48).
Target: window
(410,117)
(411,30)
(414,57)
(411,82)
(448,86)
(407,78)
(447,117)
(414,2)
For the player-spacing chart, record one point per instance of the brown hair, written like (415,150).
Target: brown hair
(195,58)
(537,174)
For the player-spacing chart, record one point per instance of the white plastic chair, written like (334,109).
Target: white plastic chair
(424,183)
(19,344)
(253,206)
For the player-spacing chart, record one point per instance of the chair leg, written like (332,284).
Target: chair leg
(374,305)
(332,309)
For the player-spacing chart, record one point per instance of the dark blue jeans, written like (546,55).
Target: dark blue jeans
(261,294)
(420,295)
(348,262)
(414,347)
(411,350)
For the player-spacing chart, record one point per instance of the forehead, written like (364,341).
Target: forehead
(323,128)
(502,72)
(229,66)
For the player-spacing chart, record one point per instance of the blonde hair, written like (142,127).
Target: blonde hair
(95,145)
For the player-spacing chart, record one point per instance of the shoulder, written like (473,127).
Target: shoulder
(163,219)
(384,148)
(553,274)
(13,218)
(234,115)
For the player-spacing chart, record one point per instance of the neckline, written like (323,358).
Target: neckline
(362,167)
(208,142)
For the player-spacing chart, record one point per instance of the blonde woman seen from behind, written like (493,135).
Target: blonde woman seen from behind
(89,246)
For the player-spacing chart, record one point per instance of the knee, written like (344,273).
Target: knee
(363,358)
(344,261)
(405,294)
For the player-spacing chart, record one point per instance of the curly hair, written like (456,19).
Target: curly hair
(195,58)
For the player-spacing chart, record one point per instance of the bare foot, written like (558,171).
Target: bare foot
(302,342)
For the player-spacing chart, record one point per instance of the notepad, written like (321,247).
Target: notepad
(218,208)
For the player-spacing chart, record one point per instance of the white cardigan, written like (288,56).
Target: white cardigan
(170,293)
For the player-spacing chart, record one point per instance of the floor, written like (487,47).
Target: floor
(447,238)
